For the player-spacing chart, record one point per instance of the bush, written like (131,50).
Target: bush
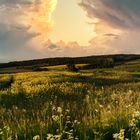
(100,63)
(72,67)
(39,69)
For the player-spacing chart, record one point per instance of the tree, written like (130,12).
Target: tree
(71,66)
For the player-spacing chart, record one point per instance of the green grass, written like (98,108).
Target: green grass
(85,105)
(62,67)
(132,66)
(59,67)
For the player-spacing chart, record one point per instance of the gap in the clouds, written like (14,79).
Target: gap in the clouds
(71,23)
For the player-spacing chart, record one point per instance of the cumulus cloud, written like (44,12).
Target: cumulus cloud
(24,25)
(124,14)
(117,24)
(62,49)
(32,16)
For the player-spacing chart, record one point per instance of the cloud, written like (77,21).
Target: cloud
(13,2)
(117,25)
(124,14)
(35,14)
(24,25)
(62,49)
(14,42)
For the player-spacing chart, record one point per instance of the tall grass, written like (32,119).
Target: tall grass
(87,105)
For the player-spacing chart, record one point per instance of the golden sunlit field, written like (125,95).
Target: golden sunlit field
(97,104)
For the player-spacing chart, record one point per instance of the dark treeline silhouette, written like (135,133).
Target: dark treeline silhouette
(96,61)
(99,63)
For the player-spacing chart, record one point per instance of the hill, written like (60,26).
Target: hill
(90,104)
(117,59)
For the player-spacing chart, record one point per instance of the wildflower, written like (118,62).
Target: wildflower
(7,128)
(59,109)
(53,108)
(119,136)
(71,131)
(68,117)
(71,138)
(37,137)
(75,121)
(101,106)
(50,137)
(55,118)
(67,110)
(115,136)
(68,122)
(76,138)
(132,123)
(78,122)
(122,131)
(57,137)
(138,133)
(96,110)
(128,106)
(1,132)
(136,114)
(16,108)
(130,92)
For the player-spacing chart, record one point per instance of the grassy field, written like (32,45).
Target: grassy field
(99,104)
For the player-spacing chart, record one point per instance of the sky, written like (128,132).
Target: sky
(32,29)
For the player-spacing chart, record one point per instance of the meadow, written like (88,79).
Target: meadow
(97,104)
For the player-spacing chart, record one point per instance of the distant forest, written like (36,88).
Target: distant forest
(108,60)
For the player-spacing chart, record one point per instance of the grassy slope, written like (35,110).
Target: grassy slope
(103,100)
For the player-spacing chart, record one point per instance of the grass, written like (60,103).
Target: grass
(101,104)
(132,66)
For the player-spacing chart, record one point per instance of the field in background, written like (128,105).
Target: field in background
(96,104)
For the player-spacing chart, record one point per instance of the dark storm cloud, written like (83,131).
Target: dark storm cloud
(124,14)
(24,25)
(13,2)
(12,36)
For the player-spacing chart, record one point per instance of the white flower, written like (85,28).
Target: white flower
(59,109)
(101,106)
(115,136)
(57,137)
(119,136)
(136,114)
(37,137)
(50,137)
(67,110)
(68,117)
(55,118)
(138,133)
(53,108)
(76,138)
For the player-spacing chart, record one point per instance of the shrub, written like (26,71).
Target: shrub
(39,69)
(72,67)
